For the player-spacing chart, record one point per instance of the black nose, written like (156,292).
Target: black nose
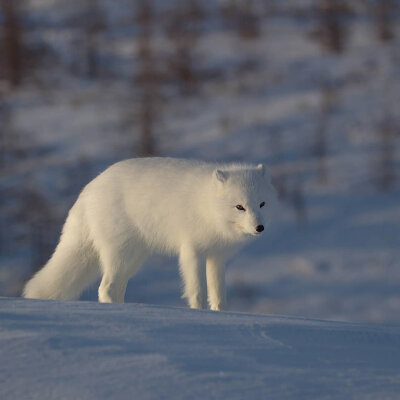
(260,228)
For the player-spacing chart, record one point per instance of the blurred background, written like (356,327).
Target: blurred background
(309,87)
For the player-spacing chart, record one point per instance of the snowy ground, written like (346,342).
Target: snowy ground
(81,350)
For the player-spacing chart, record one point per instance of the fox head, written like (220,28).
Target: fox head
(244,200)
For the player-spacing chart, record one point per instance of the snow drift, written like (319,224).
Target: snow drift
(71,350)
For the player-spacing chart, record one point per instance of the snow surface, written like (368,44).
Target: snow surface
(85,350)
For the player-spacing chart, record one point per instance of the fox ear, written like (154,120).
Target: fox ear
(220,175)
(264,172)
(261,168)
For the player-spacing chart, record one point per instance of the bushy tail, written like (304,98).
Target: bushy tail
(69,271)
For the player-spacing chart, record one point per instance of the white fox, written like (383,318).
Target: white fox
(202,212)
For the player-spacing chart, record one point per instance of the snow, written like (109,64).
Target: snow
(84,350)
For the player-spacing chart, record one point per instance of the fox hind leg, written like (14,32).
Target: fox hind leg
(118,265)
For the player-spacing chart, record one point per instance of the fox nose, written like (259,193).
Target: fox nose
(260,228)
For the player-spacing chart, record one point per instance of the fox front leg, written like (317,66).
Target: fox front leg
(216,283)
(193,271)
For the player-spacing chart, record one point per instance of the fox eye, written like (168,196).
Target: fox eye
(262,204)
(240,207)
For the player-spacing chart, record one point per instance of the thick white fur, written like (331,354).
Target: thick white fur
(165,205)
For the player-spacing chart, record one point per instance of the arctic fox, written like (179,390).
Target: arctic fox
(203,212)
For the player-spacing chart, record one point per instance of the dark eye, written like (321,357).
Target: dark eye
(262,204)
(240,207)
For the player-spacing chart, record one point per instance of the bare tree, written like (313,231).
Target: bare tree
(248,20)
(4,123)
(298,200)
(241,16)
(94,25)
(328,101)
(331,31)
(3,150)
(35,212)
(12,59)
(320,147)
(147,77)
(184,29)
(386,161)
(384,11)
(384,168)
(276,146)
(11,148)
(10,152)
